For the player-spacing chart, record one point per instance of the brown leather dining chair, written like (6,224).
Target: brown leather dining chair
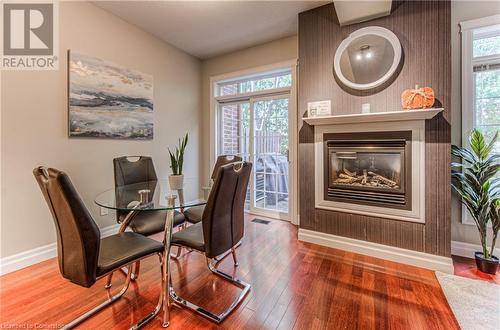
(221,228)
(83,256)
(194,214)
(135,169)
(130,171)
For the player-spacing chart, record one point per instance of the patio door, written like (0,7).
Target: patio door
(254,116)
(269,188)
(257,129)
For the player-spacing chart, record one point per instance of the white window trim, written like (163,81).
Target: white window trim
(468,113)
(293,152)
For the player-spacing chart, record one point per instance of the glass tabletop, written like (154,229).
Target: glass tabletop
(150,196)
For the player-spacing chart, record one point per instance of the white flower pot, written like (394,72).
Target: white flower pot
(176,181)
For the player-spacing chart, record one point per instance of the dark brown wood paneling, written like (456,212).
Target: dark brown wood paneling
(401,234)
(424,31)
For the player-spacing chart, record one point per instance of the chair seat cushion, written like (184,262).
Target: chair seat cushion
(152,222)
(118,250)
(194,214)
(191,237)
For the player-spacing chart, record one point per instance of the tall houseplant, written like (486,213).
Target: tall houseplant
(474,180)
(176,180)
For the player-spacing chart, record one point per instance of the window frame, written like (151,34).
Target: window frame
(468,88)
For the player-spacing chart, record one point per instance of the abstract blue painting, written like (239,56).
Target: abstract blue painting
(108,101)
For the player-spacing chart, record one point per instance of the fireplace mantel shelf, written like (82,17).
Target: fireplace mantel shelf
(401,115)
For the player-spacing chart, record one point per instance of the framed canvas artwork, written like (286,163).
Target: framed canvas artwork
(107,100)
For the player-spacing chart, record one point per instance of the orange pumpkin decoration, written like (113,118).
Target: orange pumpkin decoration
(418,98)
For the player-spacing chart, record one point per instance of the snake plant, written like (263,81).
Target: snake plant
(177,158)
(474,180)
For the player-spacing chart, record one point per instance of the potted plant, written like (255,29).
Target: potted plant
(176,179)
(474,180)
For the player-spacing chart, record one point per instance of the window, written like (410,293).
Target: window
(262,82)
(480,80)
(481,76)
(486,79)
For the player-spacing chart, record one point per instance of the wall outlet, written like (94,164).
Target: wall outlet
(104,211)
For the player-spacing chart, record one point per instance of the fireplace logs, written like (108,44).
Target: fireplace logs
(368,178)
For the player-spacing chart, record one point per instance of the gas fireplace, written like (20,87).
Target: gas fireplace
(372,168)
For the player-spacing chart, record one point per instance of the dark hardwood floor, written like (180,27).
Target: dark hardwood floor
(294,286)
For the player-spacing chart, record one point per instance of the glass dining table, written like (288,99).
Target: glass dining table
(153,196)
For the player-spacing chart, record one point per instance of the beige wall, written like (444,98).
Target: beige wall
(462,11)
(34,122)
(265,54)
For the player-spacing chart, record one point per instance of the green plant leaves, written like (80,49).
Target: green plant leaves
(177,158)
(477,144)
(474,181)
(464,154)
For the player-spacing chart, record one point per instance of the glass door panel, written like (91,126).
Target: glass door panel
(270,156)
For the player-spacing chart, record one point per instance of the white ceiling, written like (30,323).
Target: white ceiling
(210,28)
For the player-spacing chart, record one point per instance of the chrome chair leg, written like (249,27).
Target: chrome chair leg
(217,318)
(125,271)
(106,303)
(158,307)
(135,274)
(114,298)
(179,251)
(123,226)
(225,254)
(109,278)
(235,260)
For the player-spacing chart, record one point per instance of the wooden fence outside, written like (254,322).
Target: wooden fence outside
(266,142)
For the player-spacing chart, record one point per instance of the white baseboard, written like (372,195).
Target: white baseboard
(39,254)
(467,250)
(414,258)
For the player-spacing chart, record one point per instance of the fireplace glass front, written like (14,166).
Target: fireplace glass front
(371,171)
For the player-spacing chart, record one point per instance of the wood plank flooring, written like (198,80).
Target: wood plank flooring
(295,285)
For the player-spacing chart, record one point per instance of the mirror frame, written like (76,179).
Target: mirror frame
(376,30)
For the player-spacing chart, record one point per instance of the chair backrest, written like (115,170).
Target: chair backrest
(223,160)
(128,171)
(78,237)
(223,217)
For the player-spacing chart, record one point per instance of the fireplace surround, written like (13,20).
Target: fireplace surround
(399,235)
(391,153)
(368,168)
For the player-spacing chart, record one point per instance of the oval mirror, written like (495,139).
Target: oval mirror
(367,58)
